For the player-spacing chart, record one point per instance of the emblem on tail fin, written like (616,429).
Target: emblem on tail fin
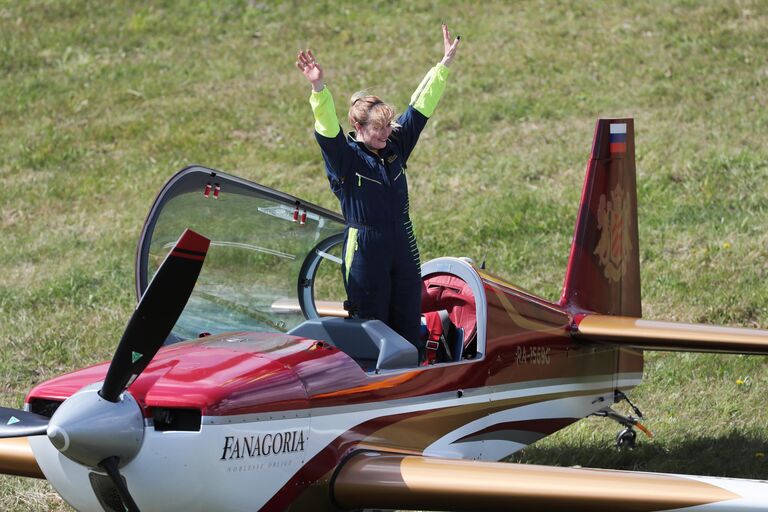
(615,242)
(603,274)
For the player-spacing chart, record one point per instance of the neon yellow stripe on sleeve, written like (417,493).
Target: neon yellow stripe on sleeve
(326,122)
(430,90)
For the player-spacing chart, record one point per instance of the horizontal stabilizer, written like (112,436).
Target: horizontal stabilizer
(392,481)
(673,336)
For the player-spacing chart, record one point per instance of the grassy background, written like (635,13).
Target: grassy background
(100,102)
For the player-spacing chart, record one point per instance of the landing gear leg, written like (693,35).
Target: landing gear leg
(627,437)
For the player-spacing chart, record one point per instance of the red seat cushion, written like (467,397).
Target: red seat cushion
(446,291)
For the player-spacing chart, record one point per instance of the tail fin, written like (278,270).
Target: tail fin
(603,272)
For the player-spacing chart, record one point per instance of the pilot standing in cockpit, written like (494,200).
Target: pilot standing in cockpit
(367,173)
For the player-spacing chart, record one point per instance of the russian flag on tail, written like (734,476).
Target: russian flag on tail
(618,138)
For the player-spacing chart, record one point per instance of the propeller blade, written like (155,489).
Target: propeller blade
(156,314)
(110,465)
(16,423)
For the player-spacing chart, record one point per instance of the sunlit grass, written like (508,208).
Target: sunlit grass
(100,102)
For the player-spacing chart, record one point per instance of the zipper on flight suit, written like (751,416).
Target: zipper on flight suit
(360,179)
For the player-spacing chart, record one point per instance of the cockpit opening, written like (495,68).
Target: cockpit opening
(274,266)
(453,317)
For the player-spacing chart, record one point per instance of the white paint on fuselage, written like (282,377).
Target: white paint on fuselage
(188,471)
(498,449)
(192,471)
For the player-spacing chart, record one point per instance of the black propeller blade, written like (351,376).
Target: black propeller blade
(71,426)
(156,314)
(16,423)
(110,465)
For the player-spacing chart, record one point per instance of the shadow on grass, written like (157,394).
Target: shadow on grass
(734,455)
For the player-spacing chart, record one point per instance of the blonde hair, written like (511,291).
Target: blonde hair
(368,109)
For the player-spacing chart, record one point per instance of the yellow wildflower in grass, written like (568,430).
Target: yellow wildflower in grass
(726,245)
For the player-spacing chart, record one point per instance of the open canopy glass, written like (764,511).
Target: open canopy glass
(262,244)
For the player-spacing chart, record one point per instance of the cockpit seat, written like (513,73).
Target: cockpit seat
(447,292)
(444,341)
(372,343)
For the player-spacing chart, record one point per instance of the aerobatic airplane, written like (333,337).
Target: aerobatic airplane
(241,384)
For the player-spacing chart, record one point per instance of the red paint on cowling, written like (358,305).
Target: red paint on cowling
(251,373)
(62,387)
(235,383)
(240,373)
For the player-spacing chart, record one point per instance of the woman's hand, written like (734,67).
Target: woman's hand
(450,46)
(310,68)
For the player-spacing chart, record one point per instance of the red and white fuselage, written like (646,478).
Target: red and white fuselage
(278,413)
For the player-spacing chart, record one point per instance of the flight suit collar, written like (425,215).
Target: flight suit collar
(387,154)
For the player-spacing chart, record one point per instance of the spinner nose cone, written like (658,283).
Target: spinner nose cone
(87,428)
(58,437)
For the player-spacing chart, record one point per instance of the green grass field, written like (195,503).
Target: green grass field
(100,102)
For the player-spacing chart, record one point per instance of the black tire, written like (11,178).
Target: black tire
(626,439)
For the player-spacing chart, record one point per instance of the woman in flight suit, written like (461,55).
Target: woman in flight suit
(367,173)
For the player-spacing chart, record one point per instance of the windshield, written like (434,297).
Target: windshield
(260,239)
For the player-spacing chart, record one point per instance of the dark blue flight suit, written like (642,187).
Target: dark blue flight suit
(382,272)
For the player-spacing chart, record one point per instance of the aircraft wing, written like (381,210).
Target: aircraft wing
(656,335)
(394,481)
(16,458)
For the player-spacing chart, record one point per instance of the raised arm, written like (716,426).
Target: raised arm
(327,128)
(431,88)
(323,108)
(426,97)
